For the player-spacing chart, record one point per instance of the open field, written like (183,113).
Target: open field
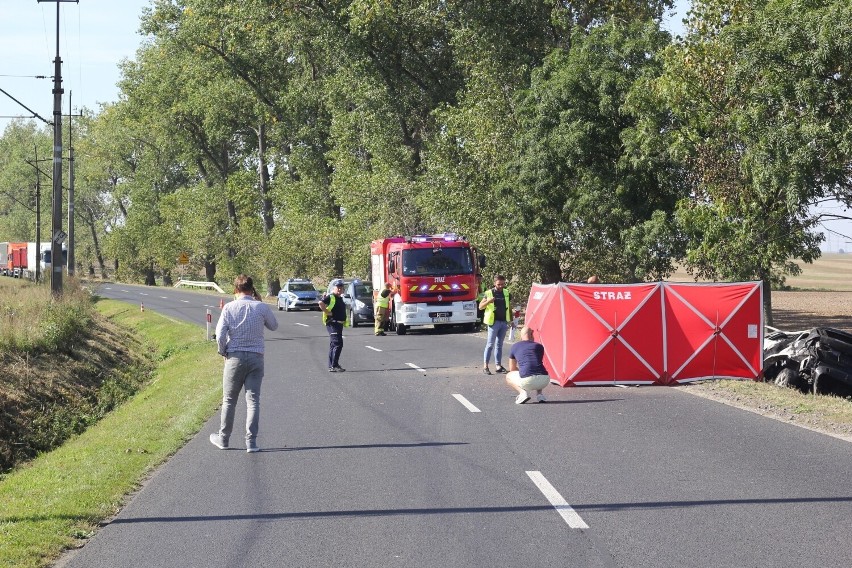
(819,297)
(832,271)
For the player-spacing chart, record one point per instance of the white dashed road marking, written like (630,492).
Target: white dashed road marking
(143,293)
(373,348)
(559,503)
(466,403)
(185,301)
(303,324)
(413,366)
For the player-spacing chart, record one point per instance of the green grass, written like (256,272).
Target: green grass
(51,503)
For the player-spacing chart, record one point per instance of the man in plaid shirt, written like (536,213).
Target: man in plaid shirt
(239,335)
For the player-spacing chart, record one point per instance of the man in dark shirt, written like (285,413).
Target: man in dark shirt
(496,304)
(526,368)
(334,316)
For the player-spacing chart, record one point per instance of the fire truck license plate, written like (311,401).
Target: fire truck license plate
(440,320)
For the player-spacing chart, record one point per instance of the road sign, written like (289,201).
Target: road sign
(183,258)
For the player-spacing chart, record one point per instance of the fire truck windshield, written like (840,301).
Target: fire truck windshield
(436,261)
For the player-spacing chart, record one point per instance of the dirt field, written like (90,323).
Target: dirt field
(801,310)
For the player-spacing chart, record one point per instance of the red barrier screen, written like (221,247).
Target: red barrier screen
(660,333)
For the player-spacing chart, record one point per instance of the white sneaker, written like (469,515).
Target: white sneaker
(217,441)
(522,398)
(541,397)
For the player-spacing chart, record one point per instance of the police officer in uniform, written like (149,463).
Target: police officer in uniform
(334,317)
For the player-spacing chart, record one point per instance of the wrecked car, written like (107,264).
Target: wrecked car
(818,360)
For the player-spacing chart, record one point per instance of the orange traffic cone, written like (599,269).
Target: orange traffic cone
(142,307)
(221,303)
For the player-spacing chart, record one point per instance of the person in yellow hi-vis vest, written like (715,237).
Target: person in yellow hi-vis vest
(498,318)
(334,317)
(382,304)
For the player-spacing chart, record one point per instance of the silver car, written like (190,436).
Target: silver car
(298,294)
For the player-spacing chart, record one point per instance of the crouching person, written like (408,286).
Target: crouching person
(526,368)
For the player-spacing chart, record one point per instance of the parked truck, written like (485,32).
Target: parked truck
(25,257)
(435,277)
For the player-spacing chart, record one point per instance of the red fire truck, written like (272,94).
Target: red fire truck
(436,279)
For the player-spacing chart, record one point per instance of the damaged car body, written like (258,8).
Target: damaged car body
(818,360)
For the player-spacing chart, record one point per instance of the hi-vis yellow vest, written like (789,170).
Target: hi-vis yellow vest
(488,318)
(383,302)
(330,307)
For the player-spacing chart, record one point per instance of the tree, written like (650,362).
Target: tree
(761,91)
(595,189)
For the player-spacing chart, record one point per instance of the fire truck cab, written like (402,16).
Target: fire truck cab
(435,279)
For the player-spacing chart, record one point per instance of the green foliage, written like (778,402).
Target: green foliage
(595,189)
(760,91)
(563,139)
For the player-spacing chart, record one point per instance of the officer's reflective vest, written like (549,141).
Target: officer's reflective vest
(331,307)
(488,318)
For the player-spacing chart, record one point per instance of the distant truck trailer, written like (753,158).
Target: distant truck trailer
(4,259)
(25,258)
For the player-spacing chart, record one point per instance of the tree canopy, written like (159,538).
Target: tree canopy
(563,139)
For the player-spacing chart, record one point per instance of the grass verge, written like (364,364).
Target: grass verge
(828,414)
(58,499)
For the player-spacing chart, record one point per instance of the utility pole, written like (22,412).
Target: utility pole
(57,235)
(71,245)
(39,173)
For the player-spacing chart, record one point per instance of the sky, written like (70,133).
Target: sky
(95,35)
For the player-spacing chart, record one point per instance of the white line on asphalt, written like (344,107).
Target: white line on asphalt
(559,503)
(466,403)
(164,297)
(413,366)
(303,324)
(143,293)
(373,348)
(126,291)
(185,301)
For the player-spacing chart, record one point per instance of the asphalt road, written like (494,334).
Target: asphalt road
(412,457)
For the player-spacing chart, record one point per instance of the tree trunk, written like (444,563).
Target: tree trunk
(149,276)
(767,298)
(210,269)
(550,271)
(273,284)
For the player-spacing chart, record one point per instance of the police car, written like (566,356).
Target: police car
(298,294)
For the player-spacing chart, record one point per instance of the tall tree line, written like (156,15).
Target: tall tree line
(278,137)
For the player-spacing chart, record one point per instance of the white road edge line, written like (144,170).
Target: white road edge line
(302,324)
(373,348)
(466,403)
(185,301)
(164,297)
(413,366)
(559,503)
